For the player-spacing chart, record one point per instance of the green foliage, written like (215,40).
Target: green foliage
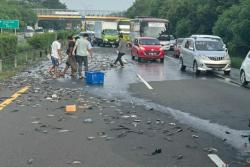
(23,46)
(8,44)
(233,25)
(64,34)
(53,4)
(228,19)
(17,10)
(42,41)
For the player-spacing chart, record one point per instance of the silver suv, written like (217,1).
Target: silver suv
(204,54)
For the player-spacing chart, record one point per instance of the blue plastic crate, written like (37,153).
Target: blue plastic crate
(94,77)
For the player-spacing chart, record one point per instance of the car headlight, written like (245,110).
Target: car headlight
(161,49)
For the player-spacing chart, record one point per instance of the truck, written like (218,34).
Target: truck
(106,33)
(124,28)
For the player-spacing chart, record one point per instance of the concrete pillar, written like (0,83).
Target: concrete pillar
(1,65)
(15,62)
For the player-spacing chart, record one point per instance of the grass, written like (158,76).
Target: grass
(236,62)
(6,74)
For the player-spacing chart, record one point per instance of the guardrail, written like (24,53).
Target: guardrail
(22,59)
(60,12)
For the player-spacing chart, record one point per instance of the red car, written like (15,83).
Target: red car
(177,48)
(147,48)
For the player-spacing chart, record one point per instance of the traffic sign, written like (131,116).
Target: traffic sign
(9,24)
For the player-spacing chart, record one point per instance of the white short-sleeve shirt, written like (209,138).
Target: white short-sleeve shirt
(54,49)
(82,46)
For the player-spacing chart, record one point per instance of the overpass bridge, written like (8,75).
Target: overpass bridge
(83,15)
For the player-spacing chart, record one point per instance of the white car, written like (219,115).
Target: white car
(29,33)
(167,41)
(209,37)
(204,54)
(245,70)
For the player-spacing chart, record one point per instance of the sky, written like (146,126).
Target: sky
(119,5)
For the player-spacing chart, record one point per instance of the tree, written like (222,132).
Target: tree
(233,25)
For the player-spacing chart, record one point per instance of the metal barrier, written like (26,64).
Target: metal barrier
(63,12)
(13,62)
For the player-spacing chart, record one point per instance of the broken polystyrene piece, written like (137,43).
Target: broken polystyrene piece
(30,161)
(54,96)
(63,131)
(51,115)
(88,120)
(90,138)
(35,122)
(125,116)
(211,150)
(76,162)
(172,124)
(195,136)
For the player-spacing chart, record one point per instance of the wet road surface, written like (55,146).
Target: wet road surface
(30,127)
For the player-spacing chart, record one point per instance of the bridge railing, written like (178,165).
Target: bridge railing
(49,12)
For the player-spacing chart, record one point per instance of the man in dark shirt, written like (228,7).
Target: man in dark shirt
(71,60)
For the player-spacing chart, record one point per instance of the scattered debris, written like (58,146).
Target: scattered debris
(30,161)
(70,108)
(41,131)
(88,120)
(64,131)
(195,136)
(90,138)
(172,124)
(211,150)
(157,151)
(50,115)
(35,122)
(168,139)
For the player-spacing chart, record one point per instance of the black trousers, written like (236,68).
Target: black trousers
(119,58)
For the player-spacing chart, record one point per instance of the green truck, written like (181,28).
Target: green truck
(106,33)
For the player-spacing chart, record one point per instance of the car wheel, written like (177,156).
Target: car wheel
(139,59)
(243,78)
(183,68)
(162,60)
(195,68)
(227,72)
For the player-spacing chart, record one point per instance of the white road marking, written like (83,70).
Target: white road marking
(145,82)
(217,160)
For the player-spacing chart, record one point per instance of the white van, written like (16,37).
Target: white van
(245,71)
(204,54)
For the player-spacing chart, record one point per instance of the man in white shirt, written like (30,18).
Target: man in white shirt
(55,55)
(83,49)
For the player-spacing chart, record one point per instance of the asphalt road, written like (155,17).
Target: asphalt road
(183,115)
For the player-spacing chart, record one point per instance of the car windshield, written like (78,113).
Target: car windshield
(149,42)
(166,37)
(209,46)
(179,41)
(29,30)
(111,32)
(39,30)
